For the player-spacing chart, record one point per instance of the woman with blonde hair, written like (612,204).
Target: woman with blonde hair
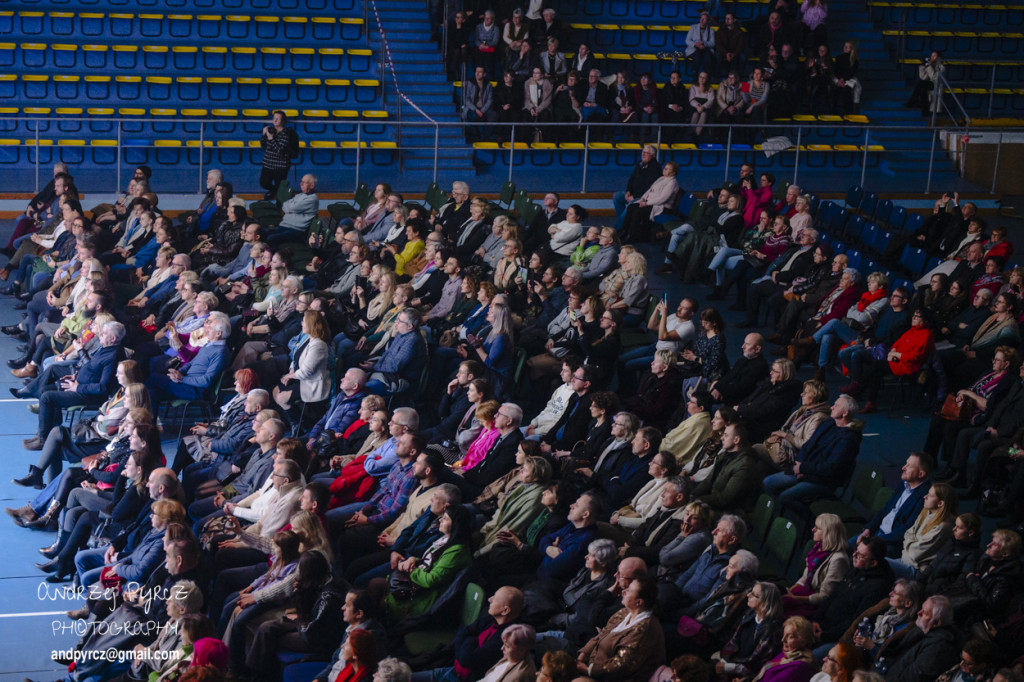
(308,372)
(781,445)
(509,267)
(311,533)
(934,526)
(827,564)
(795,663)
(497,350)
(635,291)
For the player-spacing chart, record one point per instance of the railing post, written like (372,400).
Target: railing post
(864,157)
(37,156)
(437,137)
(728,154)
(796,164)
(119,155)
(936,99)
(991,90)
(586,151)
(995,167)
(931,161)
(202,180)
(359,150)
(511,151)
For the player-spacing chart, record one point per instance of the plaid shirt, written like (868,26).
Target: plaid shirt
(393,495)
(276,154)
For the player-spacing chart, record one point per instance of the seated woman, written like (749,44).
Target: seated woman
(417,582)
(931,530)
(481,445)
(587,248)
(890,619)
(516,665)
(704,626)
(957,557)
(731,255)
(859,317)
(694,537)
(756,638)
(401,259)
(707,354)
(1000,329)
(491,251)
(993,586)
(755,262)
(827,565)
(780,447)
(766,408)
(658,392)
(840,664)
(806,292)
(646,503)
(641,215)
(557,611)
(81,513)
(564,335)
(601,347)
(991,277)
(834,306)
(309,373)
(702,463)
(795,663)
(517,510)
(566,234)
(632,645)
(906,357)
(268,590)
(508,271)
(976,399)
(496,349)
(631,300)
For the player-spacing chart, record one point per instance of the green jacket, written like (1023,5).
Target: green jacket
(515,512)
(734,484)
(431,581)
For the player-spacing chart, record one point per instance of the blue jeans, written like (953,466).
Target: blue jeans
(89,563)
(832,334)
(437,675)
(620,204)
(902,570)
(673,241)
(724,260)
(795,494)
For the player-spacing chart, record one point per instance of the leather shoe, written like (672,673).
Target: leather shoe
(34,408)
(35,443)
(11,329)
(19,362)
(52,551)
(29,371)
(50,566)
(16,392)
(27,512)
(79,614)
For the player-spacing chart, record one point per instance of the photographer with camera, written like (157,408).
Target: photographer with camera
(280,145)
(928,74)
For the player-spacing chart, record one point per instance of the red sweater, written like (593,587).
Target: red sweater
(915,345)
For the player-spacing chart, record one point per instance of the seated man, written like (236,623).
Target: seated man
(299,212)
(398,367)
(735,482)
(89,386)
(220,438)
(199,375)
(903,508)
(825,462)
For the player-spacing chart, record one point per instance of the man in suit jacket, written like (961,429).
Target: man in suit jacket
(738,383)
(574,423)
(629,474)
(501,458)
(660,528)
(89,386)
(454,402)
(793,263)
(478,99)
(903,508)
(199,375)
(454,213)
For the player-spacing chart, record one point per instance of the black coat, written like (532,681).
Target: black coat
(769,406)
(955,559)
(859,591)
(575,419)
(500,460)
(739,382)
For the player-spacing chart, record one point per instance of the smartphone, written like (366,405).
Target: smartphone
(523,274)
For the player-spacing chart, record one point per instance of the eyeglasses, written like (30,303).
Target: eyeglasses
(830,657)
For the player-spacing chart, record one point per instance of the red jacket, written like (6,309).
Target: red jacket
(841,305)
(915,345)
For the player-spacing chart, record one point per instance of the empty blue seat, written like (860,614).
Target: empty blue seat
(243,58)
(151,25)
(868,266)
(868,204)
(882,241)
(855,257)
(913,222)
(33,55)
(154,57)
(7,51)
(913,260)
(329,59)
(932,263)
(897,218)
(126,56)
(66,86)
(869,234)
(128,87)
(883,210)
(272,58)
(180,25)
(302,59)
(31,22)
(121,25)
(65,56)
(853,229)
(184,57)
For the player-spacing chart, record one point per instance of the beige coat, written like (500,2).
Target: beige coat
(919,545)
(826,578)
(685,440)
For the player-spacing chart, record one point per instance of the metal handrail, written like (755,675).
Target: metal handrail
(866,135)
(939,101)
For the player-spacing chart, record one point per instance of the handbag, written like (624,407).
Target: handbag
(110,580)
(400,587)
(954,410)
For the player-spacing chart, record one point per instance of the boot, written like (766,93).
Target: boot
(53,550)
(48,521)
(25,514)
(29,371)
(33,480)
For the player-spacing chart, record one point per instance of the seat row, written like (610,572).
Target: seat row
(162,89)
(177,5)
(980,70)
(664,10)
(1004,100)
(931,14)
(183,122)
(325,153)
(273,59)
(206,26)
(960,43)
(625,36)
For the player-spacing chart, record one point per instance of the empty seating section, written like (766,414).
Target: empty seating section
(653,10)
(981,47)
(159,67)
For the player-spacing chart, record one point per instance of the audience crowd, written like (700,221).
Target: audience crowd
(428,407)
